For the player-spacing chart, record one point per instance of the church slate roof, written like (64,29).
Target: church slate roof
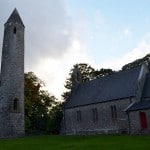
(116,86)
(142,105)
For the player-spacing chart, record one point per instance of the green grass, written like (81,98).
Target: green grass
(77,143)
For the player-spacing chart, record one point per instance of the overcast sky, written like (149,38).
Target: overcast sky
(60,33)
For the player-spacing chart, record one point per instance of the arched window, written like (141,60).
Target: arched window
(15,30)
(79,116)
(15,104)
(95,115)
(113,112)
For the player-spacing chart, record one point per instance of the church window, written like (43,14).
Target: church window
(95,114)
(79,116)
(113,112)
(15,30)
(15,104)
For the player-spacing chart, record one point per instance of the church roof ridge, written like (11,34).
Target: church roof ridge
(117,73)
(119,85)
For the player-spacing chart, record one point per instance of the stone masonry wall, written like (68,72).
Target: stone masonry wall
(12,81)
(104,124)
(135,124)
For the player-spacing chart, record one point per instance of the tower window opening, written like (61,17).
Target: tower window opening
(15,104)
(15,30)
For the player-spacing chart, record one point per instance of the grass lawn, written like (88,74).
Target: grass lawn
(100,142)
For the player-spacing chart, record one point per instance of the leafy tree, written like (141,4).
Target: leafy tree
(39,105)
(56,115)
(102,72)
(137,62)
(86,72)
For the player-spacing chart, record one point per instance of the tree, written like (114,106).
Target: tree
(56,114)
(86,72)
(137,63)
(101,73)
(39,104)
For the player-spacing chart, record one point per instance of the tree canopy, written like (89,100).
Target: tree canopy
(40,106)
(138,62)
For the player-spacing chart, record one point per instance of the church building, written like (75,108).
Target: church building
(12,78)
(115,104)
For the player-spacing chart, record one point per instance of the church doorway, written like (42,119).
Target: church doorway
(143,120)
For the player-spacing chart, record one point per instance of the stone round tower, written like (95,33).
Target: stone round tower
(12,78)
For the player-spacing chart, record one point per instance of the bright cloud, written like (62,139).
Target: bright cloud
(55,71)
(140,51)
(48,32)
(55,41)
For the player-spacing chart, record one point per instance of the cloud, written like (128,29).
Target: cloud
(140,51)
(54,71)
(52,42)
(48,27)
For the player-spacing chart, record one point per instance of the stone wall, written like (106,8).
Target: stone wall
(105,123)
(135,123)
(12,81)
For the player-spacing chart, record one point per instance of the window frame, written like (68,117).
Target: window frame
(114,115)
(79,117)
(95,115)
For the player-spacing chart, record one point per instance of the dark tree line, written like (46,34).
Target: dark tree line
(42,111)
(138,62)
